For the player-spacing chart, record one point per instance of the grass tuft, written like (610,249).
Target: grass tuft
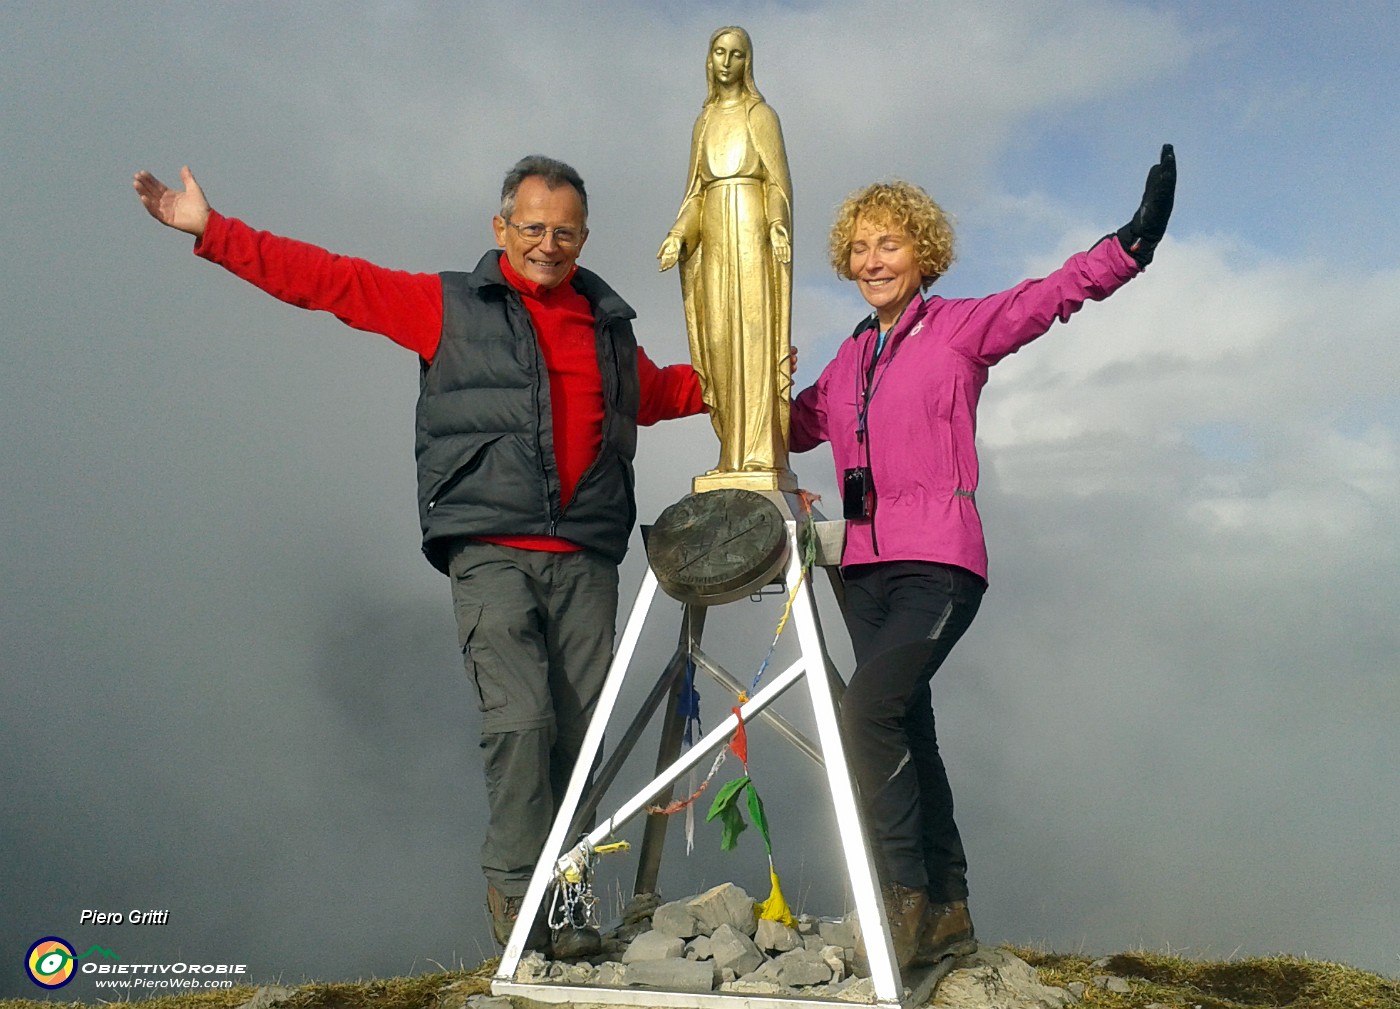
(1278,982)
(444,990)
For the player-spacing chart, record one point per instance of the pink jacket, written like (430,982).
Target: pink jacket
(922,417)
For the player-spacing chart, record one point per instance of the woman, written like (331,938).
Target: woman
(899,407)
(733,240)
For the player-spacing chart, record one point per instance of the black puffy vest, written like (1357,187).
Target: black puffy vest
(485,439)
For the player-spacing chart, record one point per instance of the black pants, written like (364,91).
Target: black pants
(904,617)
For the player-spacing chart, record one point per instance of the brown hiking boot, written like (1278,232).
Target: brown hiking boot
(504,912)
(574,943)
(906,909)
(947,931)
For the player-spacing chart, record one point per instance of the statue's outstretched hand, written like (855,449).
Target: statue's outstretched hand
(782,245)
(670,252)
(184,210)
(1141,235)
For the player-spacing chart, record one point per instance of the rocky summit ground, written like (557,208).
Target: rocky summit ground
(1130,980)
(714,943)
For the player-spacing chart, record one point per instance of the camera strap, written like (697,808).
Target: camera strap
(866,394)
(871,383)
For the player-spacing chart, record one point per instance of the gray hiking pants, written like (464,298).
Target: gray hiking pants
(536,631)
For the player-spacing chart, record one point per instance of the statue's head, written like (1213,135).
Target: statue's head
(730,53)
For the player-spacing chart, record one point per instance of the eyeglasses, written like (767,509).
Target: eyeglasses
(566,238)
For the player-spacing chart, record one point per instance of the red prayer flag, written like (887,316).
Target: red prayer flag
(740,743)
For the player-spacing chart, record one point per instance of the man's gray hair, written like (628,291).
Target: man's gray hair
(554,173)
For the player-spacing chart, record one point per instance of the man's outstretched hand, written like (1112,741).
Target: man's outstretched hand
(184,210)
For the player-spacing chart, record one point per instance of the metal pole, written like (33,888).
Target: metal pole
(588,753)
(603,780)
(712,741)
(783,727)
(672,731)
(860,869)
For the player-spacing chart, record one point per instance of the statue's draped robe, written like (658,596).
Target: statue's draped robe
(738,297)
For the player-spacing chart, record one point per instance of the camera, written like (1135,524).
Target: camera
(857,493)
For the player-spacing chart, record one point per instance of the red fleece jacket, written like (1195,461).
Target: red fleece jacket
(407,308)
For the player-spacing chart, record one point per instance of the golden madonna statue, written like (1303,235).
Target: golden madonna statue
(733,240)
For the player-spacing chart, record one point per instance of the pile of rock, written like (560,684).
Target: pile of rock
(713,942)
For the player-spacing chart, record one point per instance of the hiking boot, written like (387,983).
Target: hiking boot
(572,943)
(505,911)
(947,931)
(906,909)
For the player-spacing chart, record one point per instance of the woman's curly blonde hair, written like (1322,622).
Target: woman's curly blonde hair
(901,205)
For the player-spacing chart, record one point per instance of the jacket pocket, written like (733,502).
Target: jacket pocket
(470,465)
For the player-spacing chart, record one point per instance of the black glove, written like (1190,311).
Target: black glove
(1141,235)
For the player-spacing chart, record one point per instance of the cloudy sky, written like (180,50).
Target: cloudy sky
(229,686)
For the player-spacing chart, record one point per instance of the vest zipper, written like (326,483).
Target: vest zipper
(609,396)
(541,386)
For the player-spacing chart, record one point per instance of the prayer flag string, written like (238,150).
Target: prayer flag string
(725,806)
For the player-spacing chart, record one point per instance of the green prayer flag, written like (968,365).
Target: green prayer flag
(759,819)
(726,808)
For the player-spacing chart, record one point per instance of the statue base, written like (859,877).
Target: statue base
(711,549)
(758,480)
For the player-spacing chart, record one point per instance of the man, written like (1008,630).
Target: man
(532,387)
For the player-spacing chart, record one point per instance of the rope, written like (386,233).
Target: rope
(807,541)
(572,902)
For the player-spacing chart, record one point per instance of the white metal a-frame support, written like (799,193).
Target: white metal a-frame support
(813,670)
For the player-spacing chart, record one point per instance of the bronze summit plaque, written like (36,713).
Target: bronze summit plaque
(712,548)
